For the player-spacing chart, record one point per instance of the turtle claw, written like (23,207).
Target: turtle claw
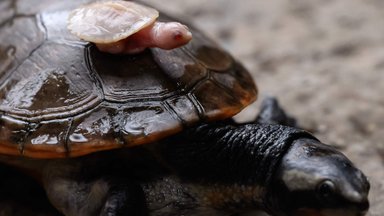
(124,199)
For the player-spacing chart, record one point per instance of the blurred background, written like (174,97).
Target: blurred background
(323,59)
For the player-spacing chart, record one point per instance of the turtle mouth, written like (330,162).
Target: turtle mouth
(327,212)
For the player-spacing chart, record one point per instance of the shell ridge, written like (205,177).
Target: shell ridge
(57,113)
(67,146)
(218,84)
(31,127)
(93,74)
(41,25)
(118,127)
(200,109)
(173,113)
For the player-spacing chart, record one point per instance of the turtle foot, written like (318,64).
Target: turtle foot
(272,113)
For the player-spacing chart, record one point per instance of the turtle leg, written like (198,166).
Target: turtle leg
(124,199)
(21,195)
(75,189)
(272,113)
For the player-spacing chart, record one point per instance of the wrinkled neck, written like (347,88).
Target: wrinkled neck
(242,154)
(225,158)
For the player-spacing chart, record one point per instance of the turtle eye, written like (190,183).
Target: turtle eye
(326,189)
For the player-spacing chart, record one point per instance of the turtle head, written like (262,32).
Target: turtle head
(315,179)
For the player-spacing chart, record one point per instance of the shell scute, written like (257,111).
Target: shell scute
(144,123)
(49,84)
(131,124)
(13,133)
(130,77)
(185,109)
(219,103)
(180,67)
(48,139)
(208,53)
(94,130)
(18,39)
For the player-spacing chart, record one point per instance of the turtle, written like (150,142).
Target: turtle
(152,133)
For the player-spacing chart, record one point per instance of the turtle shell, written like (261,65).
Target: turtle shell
(61,97)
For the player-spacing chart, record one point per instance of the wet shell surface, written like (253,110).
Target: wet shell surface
(62,97)
(111,21)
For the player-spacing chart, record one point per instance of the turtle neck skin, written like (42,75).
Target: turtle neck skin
(242,154)
(225,168)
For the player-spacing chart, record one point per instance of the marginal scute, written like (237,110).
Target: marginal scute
(185,109)
(111,21)
(144,123)
(107,128)
(237,80)
(48,139)
(12,135)
(94,131)
(49,84)
(219,103)
(247,86)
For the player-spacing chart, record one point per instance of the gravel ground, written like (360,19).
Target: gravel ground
(323,59)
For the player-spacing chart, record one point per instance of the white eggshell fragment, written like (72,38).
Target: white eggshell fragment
(111,21)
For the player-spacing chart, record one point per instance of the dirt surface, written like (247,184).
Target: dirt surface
(323,59)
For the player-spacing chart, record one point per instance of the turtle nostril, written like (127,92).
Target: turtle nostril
(368,185)
(364,182)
